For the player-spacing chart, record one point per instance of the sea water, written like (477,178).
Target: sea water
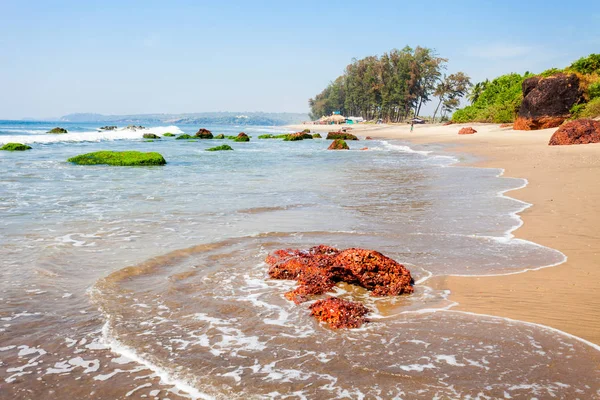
(150,282)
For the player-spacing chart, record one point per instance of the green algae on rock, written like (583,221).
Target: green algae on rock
(120,158)
(317,136)
(242,137)
(15,147)
(150,136)
(220,136)
(58,130)
(168,134)
(338,144)
(220,148)
(185,136)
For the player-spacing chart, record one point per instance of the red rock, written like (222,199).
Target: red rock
(204,134)
(368,138)
(365,148)
(467,131)
(581,131)
(320,268)
(339,313)
(338,144)
(448,123)
(547,101)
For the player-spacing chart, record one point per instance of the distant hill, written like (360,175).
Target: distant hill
(208,118)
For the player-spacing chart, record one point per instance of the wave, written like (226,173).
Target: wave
(36,136)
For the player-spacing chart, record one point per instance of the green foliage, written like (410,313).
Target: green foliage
(184,136)
(590,109)
(57,130)
(389,87)
(550,72)
(587,65)
(593,90)
(120,158)
(220,148)
(498,102)
(15,147)
(168,134)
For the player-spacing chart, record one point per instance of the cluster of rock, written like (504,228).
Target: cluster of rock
(108,128)
(135,127)
(292,137)
(547,101)
(581,131)
(318,269)
(467,131)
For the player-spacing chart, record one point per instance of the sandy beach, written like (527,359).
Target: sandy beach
(564,190)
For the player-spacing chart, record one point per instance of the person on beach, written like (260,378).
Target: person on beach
(412,125)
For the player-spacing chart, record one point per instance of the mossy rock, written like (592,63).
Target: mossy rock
(306,131)
(220,148)
(168,134)
(242,137)
(338,144)
(317,136)
(341,135)
(57,130)
(221,136)
(293,138)
(150,136)
(15,147)
(149,140)
(204,134)
(120,158)
(184,136)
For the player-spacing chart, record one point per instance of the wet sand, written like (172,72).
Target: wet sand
(564,188)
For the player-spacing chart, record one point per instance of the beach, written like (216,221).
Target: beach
(563,189)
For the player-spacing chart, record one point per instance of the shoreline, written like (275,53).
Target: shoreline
(562,190)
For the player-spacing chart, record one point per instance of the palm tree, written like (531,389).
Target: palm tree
(477,90)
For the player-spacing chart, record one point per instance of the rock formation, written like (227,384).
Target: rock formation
(339,313)
(15,147)
(204,134)
(581,131)
(57,130)
(338,144)
(368,138)
(150,136)
(547,101)
(467,131)
(242,137)
(120,158)
(341,135)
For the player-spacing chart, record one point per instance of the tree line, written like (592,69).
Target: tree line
(392,87)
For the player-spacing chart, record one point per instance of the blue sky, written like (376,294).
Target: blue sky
(119,57)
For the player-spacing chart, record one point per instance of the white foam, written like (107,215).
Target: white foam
(89,136)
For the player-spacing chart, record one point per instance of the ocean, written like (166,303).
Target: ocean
(150,282)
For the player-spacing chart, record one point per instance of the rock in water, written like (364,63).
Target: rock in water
(338,144)
(220,148)
(317,136)
(581,131)
(339,313)
(242,137)
(320,268)
(341,135)
(220,136)
(120,158)
(150,136)
(204,134)
(15,147)
(184,136)
(547,101)
(467,131)
(57,130)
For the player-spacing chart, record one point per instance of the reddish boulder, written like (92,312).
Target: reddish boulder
(320,268)
(547,101)
(368,138)
(581,131)
(204,134)
(467,131)
(338,144)
(241,137)
(339,313)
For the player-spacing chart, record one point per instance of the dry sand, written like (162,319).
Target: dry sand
(564,188)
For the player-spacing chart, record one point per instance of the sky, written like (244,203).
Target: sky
(133,57)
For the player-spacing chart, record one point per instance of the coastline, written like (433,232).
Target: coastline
(563,190)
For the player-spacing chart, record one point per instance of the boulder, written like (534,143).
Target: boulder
(306,131)
(339,313)
(317,136)
(242,137)
(220,148)
(547,101)
(150,136)
(341,135)
(120,158)
(321,267)
(467,131)
(581,131)
(220,136)
(204,134)
(368,138)
(15,147)
(338,144)
(184,136)
(58,130)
